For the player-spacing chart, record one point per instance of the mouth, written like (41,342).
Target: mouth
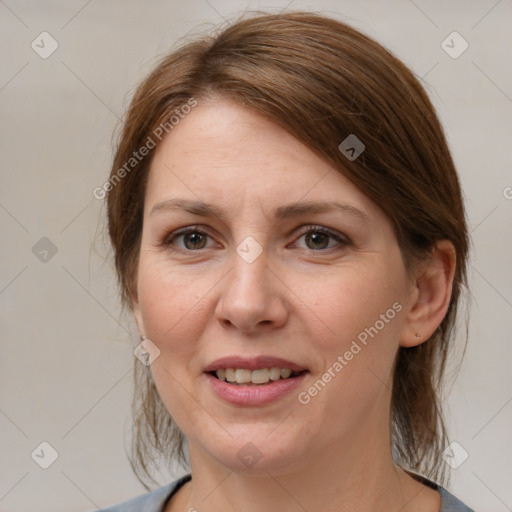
(257,377)
(248,374)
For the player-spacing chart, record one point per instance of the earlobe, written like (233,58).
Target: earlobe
(432,295)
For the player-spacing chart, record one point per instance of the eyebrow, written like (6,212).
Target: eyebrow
(279,213)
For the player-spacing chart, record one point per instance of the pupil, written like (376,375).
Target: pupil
(195,239)
(316,239)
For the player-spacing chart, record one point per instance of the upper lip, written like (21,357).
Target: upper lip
(252,363)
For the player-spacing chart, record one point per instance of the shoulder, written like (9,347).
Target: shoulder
(449,503)
(152,501)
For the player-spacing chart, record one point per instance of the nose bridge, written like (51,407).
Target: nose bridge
(248,282)
(250,259)
(249,297)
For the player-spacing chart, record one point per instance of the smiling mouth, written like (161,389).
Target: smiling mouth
(259,377)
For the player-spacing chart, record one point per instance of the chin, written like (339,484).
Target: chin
(257,449)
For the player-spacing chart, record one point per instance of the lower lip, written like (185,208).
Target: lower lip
(260,394)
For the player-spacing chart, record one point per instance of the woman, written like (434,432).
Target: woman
(289,233)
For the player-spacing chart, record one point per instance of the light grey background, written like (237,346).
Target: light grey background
(66,354)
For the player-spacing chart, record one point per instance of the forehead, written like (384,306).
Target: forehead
(224,153)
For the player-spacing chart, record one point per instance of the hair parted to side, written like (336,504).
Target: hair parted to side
(321,80)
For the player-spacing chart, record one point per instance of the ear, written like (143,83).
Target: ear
(431,295)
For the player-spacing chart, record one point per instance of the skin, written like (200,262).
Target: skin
(304,299)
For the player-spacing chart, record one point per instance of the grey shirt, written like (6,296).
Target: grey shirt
(155,501)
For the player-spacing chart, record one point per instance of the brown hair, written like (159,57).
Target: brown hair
(321,80)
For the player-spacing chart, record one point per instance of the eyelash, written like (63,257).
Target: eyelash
(343,241)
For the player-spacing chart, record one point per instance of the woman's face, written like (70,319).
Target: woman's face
(248,288)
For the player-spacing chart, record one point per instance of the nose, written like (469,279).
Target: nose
(252,297)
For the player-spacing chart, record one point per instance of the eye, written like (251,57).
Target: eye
(318,238)
(189,239)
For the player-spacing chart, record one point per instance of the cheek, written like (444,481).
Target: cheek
(172,310)
(353,301)
(171,304)
(359,318)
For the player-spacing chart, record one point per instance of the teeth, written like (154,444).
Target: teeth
(242,376)
(275,373)
(260,376)
(245,376)
(285,373)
